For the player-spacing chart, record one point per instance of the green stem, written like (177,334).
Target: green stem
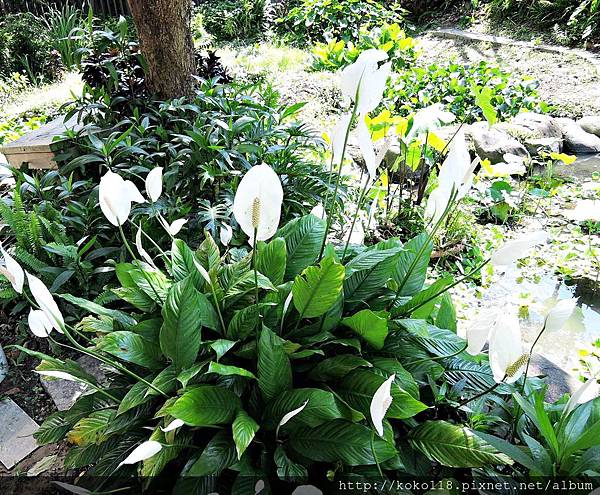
(358,208)
(375,454)
(529,358)
(481,394)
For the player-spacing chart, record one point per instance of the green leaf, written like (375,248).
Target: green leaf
(337,367)
(206,405)
(274,369)
(321,407)
(226,370)
(515,453)
(245,320)
(208,253)
(92,430)
(53,429)
(303,238)
(483,99)
(153,283)
(446,316)
(180,335)
(339,440)
(132,348)
(359,386)
(317,289)
(99,310)
(411,270)
(426,296)
(218,455)
(373,327)
(221,347)
(287,469)
(182,264)
(244,428)
(271,259)
(454,446)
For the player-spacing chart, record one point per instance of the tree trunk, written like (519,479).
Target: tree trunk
(166,43)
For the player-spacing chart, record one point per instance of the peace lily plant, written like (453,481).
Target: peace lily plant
(297,360)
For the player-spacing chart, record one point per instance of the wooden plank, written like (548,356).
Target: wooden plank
(41,139)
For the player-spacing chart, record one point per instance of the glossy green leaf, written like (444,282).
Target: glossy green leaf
(206,405)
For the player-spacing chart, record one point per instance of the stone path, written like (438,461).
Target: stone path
(16,430)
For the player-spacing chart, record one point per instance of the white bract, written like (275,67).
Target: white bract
(63,375)
(587,392)
(12,271)
(319,212)
(428,118)
(381,402)
(174,228)
(257,203)
(559,314)
(142,452)
(455,177)
(173,425)
(511,251)
(225,234)
(115,196)
(143,253)
(366,147)
(586,209)
(507,358)
(46,302)
(154,184)
(480,329)
(364,81)
(39,324)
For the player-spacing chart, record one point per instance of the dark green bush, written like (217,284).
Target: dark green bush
(25,47)
(232,19)
(323,20)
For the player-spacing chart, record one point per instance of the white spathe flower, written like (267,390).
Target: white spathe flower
(12,271)
(585,393)
(154,184)
(173,425)
(338,138)
(46,302)
(364,82)
(480,329)
(39,324)
(286,417)
(586,209)
(381,402)
(225,234)
(63,375)
(507,358)
(202,271)
(142,452)
(319,212)
(257,203)
(366,147)
(428,118)
(559,314)
(511,251)
(115,196)
(143,253)
(174,228)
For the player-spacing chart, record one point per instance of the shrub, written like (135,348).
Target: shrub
(25,47)
(316,21)
(452,85)
(337,54)
(228,20)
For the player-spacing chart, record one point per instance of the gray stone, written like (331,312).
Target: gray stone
(576,139)
(64,393)
(3,365)
(493,144)
(559,381)
(539,125)
(590,124)
(16,430)
(549,145)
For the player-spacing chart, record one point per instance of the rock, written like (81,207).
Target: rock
(16,433)
(540,125)
(559,381)
(590,124)
(493,144)
(3,365)
(64,393)
(549,145)
(576,139)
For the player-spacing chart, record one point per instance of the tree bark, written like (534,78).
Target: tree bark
(166,43)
